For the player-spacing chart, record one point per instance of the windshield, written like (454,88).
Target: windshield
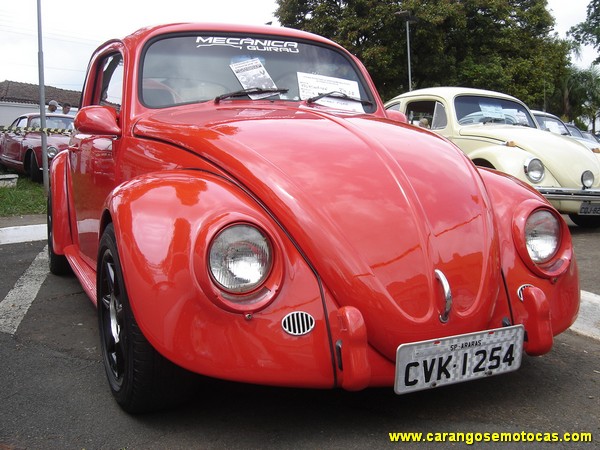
(552,124)
(471,109)
(199,68)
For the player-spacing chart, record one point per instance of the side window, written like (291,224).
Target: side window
(110,82)
(420,113)
(440,119)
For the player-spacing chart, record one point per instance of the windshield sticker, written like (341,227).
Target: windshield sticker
(492,111)
(252,74)
(311,85)
(250,44)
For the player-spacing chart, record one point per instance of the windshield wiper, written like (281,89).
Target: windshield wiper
(338,94)
(250,91)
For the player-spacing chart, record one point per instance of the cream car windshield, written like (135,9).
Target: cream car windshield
(199,68)
(471,109)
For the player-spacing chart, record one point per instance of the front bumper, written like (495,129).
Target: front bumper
(553,193)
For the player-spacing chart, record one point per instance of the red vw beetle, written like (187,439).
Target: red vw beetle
(21,143)
(238,204)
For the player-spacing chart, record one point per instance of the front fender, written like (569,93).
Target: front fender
(546,305)
(61,229)
(163,224)
(509,159)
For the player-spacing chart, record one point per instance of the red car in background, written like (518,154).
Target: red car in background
(237,203)
(21,146)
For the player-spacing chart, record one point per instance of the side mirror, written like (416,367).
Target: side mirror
(396,115)
(97,120)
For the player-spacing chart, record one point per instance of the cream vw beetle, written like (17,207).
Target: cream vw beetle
(498,131)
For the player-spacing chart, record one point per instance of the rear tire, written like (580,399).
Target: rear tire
(585,221)
(140,379)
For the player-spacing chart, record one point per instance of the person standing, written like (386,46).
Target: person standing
(52,106)
(66,107)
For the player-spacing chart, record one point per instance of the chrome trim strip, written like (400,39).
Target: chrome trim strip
(552,193)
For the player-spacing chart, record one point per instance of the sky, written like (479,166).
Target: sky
(73,29)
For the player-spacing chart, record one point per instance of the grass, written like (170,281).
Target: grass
(27,198)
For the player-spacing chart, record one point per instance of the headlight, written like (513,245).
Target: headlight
(542,236)
(51,151)
(534,169)
(587,179)
(240,258)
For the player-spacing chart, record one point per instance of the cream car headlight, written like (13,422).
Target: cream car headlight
(534,170)
(542,236)
(240,258)
(587,179)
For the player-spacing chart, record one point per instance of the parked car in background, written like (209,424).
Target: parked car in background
(21,143)
(590,136)
(553,123)
(498,131)
(237,203)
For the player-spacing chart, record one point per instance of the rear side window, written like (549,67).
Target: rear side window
(427,114)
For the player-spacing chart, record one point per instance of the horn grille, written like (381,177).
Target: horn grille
(298,323)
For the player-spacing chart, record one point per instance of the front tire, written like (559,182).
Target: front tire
(585,221)
(140,379)
(58,264)
(34,170)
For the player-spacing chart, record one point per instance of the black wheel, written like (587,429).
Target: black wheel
(141,380)
(58,263)
(34,170)
(585,221)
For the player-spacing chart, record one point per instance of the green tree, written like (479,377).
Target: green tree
(588,32)
(503,45)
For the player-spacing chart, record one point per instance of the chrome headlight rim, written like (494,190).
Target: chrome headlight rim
(542,236)
(240,258)
(587,179)
(534,169)
(51,151)
(548,264)
(247,302)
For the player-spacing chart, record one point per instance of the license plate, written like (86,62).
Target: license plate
(454,359)
(589,209)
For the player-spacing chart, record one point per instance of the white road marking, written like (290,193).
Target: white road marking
(26,233)
(17,302)
(588,321)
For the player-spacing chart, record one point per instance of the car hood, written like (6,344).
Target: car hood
(551,149)
(374,206)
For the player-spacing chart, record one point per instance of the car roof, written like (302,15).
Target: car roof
(146,33)
(537,112)
(452,91)
(37,114)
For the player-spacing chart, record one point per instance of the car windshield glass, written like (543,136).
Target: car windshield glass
(65,123)
(552,124)
(472,109)
(199,68)
(574,131)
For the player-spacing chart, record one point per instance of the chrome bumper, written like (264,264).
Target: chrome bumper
(583,195)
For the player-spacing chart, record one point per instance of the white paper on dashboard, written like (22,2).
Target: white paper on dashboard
(311,85)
